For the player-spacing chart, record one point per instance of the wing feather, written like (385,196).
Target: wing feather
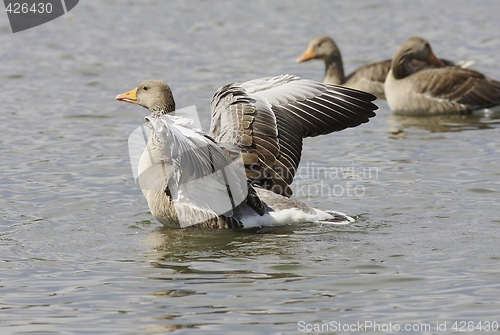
(459,85)
(199,174)
(275,114)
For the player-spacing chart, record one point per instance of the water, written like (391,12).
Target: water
(81,253)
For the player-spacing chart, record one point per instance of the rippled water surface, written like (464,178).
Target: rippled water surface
(81,254)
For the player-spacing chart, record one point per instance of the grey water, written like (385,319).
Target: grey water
(81,254)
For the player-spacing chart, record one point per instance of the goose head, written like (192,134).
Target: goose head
(154,95)
(322,47)
(414,48)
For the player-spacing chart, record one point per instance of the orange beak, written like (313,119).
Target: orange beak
(434,60)
(130,96)
(308,54)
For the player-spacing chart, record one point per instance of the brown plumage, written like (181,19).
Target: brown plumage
(264,119)
(369,78)
(443,90)
(281,111)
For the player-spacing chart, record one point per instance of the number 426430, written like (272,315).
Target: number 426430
(24,8)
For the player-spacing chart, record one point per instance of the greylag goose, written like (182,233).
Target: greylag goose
(431,91)
(369,78)
(191,178)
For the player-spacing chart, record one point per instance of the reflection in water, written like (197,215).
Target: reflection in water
(181,245)
(250,253)
(484,119)
(200,278)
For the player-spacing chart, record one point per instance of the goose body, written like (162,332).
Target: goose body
(436,90)
(239,175)
(369,78)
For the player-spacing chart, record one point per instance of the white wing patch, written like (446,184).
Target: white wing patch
(197,172)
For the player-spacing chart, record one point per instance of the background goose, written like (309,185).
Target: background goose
(187,175)
(369,78)
(442,90)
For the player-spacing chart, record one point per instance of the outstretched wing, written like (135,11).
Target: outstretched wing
(268,118)
(200,176)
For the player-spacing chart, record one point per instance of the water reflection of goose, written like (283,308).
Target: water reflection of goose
(189,178)
(444,123)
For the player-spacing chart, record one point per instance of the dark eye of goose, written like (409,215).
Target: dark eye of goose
(145,88)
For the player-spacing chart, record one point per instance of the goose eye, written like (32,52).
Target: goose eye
(145,88)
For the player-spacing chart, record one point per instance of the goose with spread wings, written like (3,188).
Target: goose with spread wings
(239,175)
